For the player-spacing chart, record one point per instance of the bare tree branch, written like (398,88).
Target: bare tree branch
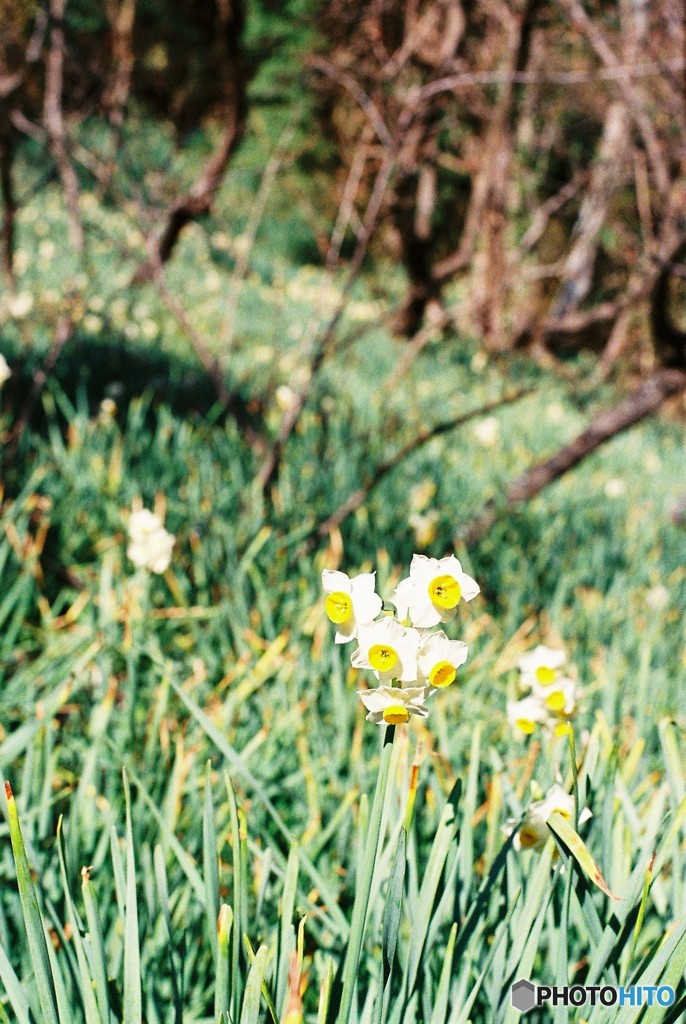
(646,399)
(359,496)
(53,118)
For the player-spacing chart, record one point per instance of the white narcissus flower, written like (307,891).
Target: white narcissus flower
(389,649)
(559,697)
(350,603)
(533,832)
(439,658)
(391,705)
(150,544)
(524,715)
(541,665)
(5,372)
(432,591)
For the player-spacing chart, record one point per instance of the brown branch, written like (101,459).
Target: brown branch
(360,495)
(549,208)
(199,198)
(325,67)
(646,399)
(53,118)
(9,202)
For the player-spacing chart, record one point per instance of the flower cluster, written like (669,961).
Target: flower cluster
(401,649)
(150,545)
(553,696)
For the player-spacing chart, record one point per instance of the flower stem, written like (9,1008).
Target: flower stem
(364,882)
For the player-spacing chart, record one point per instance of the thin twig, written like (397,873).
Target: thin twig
(360,495)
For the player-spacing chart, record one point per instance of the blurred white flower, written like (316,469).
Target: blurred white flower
(559,697)
(20,305)
(150,544)
(389,649)
(432,591)
(46,250)
(439,658)
(92,323)
(149,329)
(424,526)
(555,413)
(524,715)
(479,361)
(421,494)
(350,603)
(657,597)
(541,665)
(5,372)
(285,397)
(392,705)
(615,488)
(487,431)
(108,410)
(263,354)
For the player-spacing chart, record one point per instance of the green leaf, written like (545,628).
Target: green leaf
(133,1009)
(33,920)
(579,851)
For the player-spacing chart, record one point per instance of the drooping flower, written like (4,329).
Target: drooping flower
(439,658)
(391,705)
(389,649)
(350,603)
(150,544)
(533,832)
(541,665)
(5,372)
(432,591)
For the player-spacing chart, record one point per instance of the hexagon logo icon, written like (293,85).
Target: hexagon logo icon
(523,995)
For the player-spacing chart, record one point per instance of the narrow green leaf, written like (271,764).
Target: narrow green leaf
(579,851)
(96,945)
(90,1004)
(33,921)
(13,989)
(360,906)
(250,1010)
(132,1006)
(286,934)
(222,1003)
(393,907)
(210,861)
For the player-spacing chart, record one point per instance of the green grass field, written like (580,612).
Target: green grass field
(189,741)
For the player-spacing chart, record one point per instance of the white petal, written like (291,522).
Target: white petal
(374,700)
(345,631)
(469,587)
(423,613)
(423,569)
(366,607)
(365,583)
(333,580)
(402,596)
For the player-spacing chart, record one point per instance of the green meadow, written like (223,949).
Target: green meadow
(201,825)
